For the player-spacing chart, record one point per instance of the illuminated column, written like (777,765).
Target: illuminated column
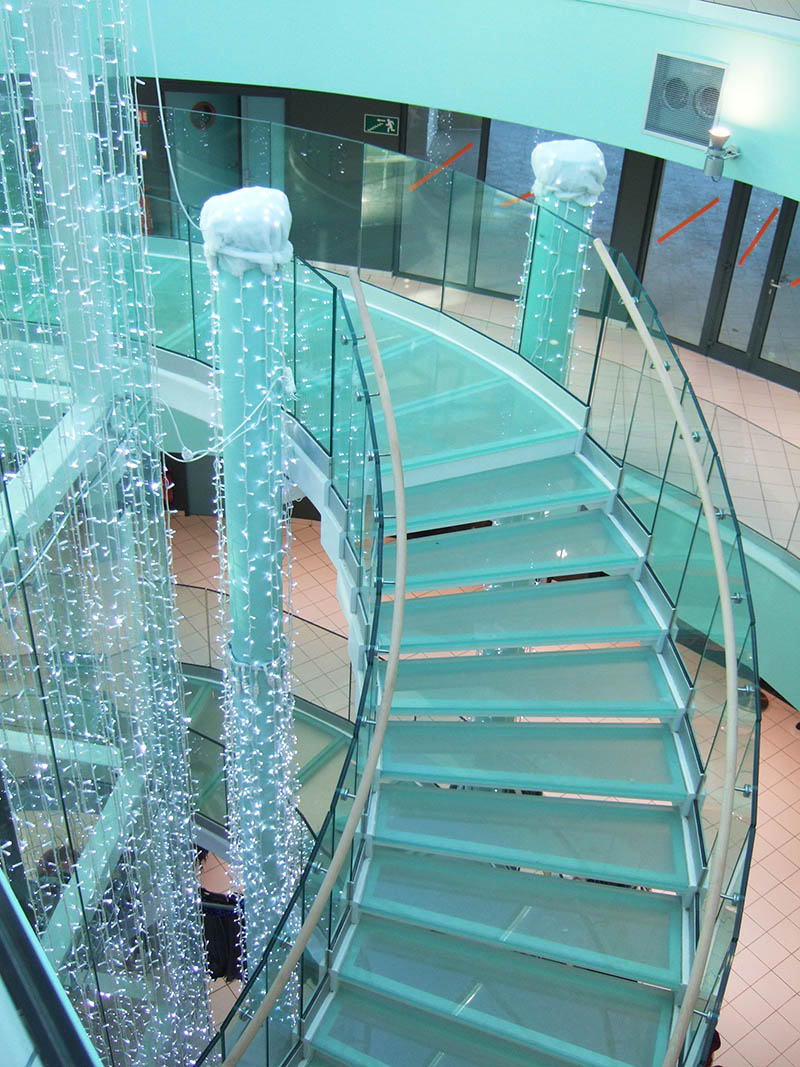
(569,178)
(247,243)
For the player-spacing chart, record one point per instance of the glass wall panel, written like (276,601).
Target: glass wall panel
(508,166)
(435,135)
(204,133)
(782,343)
(680,268)
(751,263)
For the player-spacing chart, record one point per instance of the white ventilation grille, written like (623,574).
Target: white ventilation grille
(684,98)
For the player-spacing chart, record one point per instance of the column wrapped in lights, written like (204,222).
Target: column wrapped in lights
(247,244)
(92,727)
(569,178)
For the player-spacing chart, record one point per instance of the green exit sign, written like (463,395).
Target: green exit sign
(386,124)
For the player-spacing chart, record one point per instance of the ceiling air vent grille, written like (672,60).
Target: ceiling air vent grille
(684,98)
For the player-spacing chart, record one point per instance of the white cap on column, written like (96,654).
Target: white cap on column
(247,229)
(569,170)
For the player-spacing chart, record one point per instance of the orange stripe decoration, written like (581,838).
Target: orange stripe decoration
(700,211)
(759,235)
(794,283)
(438,170)
(516,199)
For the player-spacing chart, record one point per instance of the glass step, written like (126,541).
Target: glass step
(364,1029)
(625,932)
(614,682)
(565,1011)
(521,488)
(585,611)
(632,844)
(427,366)
(474,421)
(573,544)
(637,761)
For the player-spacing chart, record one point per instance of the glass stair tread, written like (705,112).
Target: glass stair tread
(580,1015)
(364,1029)
(588,611)
(473,421)
(626,932)
(520,488)
(615,682)
(422,365)
(632,844)
(629,760)
(573,544)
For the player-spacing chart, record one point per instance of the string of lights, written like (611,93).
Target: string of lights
(94,764)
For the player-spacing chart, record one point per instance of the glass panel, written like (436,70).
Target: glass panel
(314,326)
(697,600)
(465,208)
(504,230)
(436,135)
(425,210)
(323,183)
(681,294)
(200,277)
(172,290)
(380,208)
(207,769)
(204,137)
(782,342)
(349,412)
(751,264)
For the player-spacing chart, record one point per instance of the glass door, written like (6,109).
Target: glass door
(781,347)
(747,279)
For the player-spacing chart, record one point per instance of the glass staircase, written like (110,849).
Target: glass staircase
(532,878)
(527,882)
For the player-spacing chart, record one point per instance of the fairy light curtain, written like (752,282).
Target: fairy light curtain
(96,813)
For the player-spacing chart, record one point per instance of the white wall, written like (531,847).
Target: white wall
(582,67)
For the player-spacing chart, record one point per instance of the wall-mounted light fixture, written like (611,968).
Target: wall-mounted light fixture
(717,153)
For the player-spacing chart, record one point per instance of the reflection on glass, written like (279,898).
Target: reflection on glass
(782,343)
(751,262)
(508,166)
(680,268)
